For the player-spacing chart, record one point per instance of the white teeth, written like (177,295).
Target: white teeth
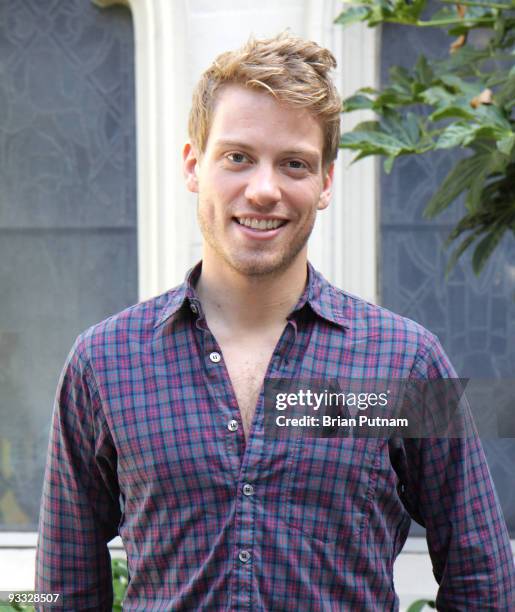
(264,224)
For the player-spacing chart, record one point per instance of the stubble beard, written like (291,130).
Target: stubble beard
(254,263)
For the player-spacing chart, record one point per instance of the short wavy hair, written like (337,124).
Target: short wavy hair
(295,71)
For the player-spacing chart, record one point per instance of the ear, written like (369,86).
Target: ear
(190,162)
(325,195)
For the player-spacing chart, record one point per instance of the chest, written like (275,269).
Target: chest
(247,365)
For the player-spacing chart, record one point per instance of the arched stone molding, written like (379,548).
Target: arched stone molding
(344,245)
(161,118)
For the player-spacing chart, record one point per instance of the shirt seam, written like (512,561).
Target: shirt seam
(421,355)
(95,393)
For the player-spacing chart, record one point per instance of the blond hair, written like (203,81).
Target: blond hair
(295,71)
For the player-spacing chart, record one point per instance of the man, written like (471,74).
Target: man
(158,424)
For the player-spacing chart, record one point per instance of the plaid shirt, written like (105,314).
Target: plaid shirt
(147,442)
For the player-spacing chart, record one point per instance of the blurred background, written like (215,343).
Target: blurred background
(94,215)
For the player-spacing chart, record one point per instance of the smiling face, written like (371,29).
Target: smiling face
(259,181)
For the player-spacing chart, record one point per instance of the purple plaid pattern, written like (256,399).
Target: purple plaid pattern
(144,444)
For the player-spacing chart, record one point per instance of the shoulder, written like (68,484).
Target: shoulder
(127,331)
(362,316)
(391,333)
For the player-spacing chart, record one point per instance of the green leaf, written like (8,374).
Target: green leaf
(505,145)
(412,128)
(388,164)
(415,8)
(506,94)
(401,77)
(459,85)
(485,248)
(120,579)
(455,135)
(437,95)
(458,252)
(367,126)
(444,13)
(418,605)
(367,90)
(119,590)
(458,179)
(353,14)
(451,112)
(490,132)
(423,71)
(362,155)
(394,97)
(377,142)
(469,222)
(492,115)
(464,57)
(358,102)
(475,192)
(403,129)
(498,161)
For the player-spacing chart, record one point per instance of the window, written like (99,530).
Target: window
(473,317)
(68,236)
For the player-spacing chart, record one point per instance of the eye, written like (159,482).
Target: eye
(237,158)
(296,164)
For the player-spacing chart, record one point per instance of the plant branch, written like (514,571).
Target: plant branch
(446,22)
(490,5)
(449,105)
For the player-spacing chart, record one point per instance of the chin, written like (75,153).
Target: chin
(262,266)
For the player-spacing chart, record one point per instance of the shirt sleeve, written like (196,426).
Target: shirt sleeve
(446,486)
(80,508)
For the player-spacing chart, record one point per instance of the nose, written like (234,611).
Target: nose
(263,186)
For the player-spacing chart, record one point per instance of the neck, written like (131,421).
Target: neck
(236,301)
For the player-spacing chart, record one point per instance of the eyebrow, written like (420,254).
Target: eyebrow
(311,153)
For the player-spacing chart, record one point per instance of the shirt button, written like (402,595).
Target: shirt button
(215,357)
(232,425)
(248,489)
(193,308)
(244,556)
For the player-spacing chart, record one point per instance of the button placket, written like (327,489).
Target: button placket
(287,346)
(250,470)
